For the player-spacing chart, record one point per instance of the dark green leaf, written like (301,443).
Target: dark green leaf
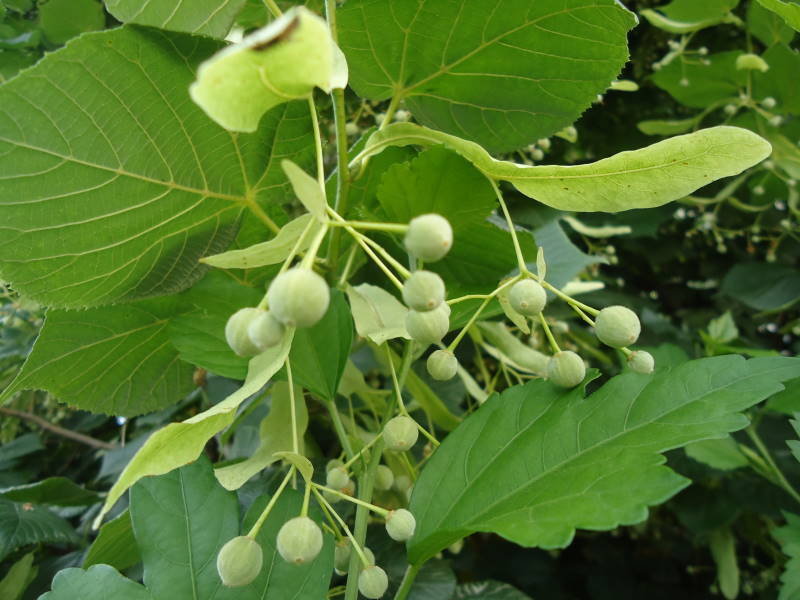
(763,286)
(780,82)
(58,491)
(787,401)
(207,17)
(537,462)
(488,590)
(100,582)
(564,260)
(502,75)
(767,26)
(789,538)
(116,360)
(23,524)
(62,20)
(17,578)
(695,83)
(684,16)
(115,545)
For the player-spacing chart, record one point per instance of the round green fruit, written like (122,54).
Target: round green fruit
(423,291)
(400,433)
(239,561)
(265,331)
(442,365)
(400,524)
(372,582)
(527,297)
(617,326)
(429,237)
(236,331)
(342,552)
(566,369)
(298,297)
(299,540)
(337,478)
(641,362)
(384,478)
(429,327)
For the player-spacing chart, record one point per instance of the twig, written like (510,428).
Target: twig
(78,437)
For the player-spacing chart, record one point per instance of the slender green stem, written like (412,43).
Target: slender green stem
(369,225)
(359,552)
(317,142)
(398,392)
(569,300)
(273,8)
(306,496)
(387,257)
(348,265)
(454,344)
(408,581)
(390,112)
(548,333)
(428,435)
(523,268)
(311,253)
(779,476)
(265,513)
(295,442)
(376,509)
(338,426)
(358,454)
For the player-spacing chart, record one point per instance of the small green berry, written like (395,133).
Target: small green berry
(400,433)
(236,331)
(337,478)
(400,524)
(299,540)
(372,582)
(442,365)
(527,297)
(641,362)
(429,237)
(402,483)
(298,297)
(423,291)
(239,561)
(751,62)
(341,556)
(265,331)
(384,478)
(617,326)
(429,327)
(566,369)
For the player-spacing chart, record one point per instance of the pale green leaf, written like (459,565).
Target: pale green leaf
(645,178)
(307,189)
(100,582)
(723,551)
(299,232)
(538,462)
(378,315)
(541,264)
(23,524)
(723,453)
(503,74)
(114,545)
(520,320)
(116,360)
(283,61)
(789,538)
(178,444)
(114,185)
(510,349)
(685,16)
(788,9)
(723,329)
(300,462)
(181,520)
(17,578)
(207,17)
(275,433)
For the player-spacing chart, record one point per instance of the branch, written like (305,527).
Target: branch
(78,437)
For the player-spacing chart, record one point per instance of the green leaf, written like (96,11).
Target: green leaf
(488,590)
(794,445)
(500,471)
(788,9)
(767,26)
(115,545)
(503,75)
(645,178)
(284,61)
(178,444)
(700,84)
(62,20)
(565,261)
(787,401)
(116,360)
(763,286)
(115,186)
(307,189)
(723,551)
(319,353)
(279,579)
(510,349)
(685,16)
(275,433)
(17,578)
(378,315)
(663,127)
(181,520)
(780,81)
(207,17)
(723,329)
(23,524)
(56,491)
(100,582)
(789,538)
(723,453)
(198,330)
(271,252)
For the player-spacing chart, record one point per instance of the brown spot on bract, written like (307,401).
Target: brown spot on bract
(282,36)
(27,506)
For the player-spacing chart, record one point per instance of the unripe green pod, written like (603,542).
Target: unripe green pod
(239,561)
(641,362)
(527,297)
(236,331)
(384,478)
(751,62)
(265,331)
(400,433)
(400,524)
(442,365)
(617,326)
(298,297)
(429,327)
(372,582)
(299,540)
(423,291)
(429,237)
(566,369)
(337,478)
